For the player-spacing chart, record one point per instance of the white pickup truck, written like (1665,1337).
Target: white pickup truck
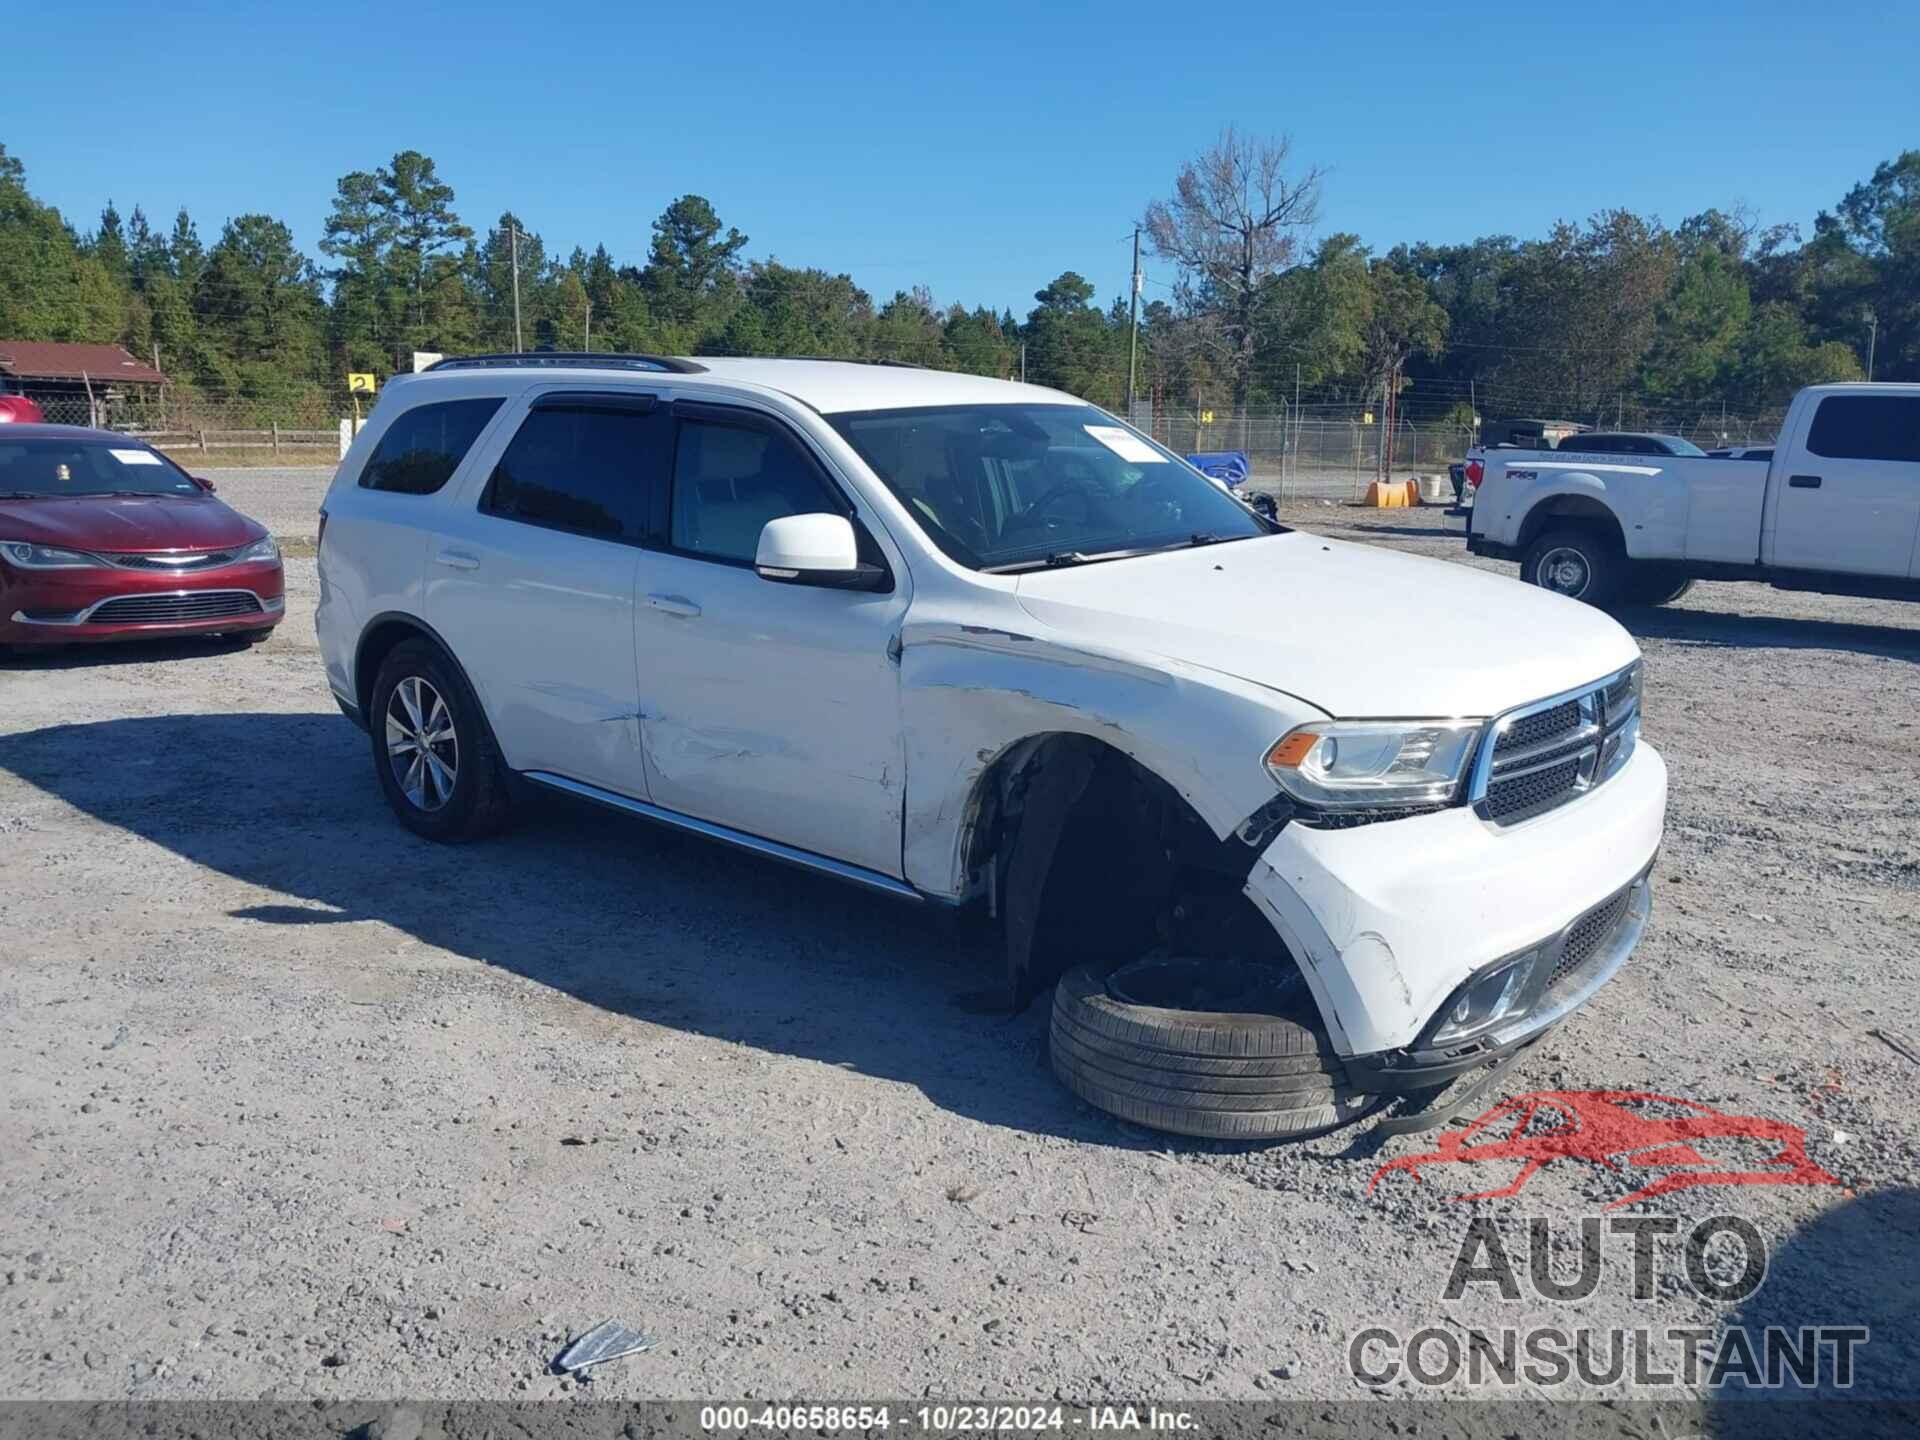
(1837,509)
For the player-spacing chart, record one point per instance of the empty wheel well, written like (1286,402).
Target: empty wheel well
(1093,859)
(1574,512)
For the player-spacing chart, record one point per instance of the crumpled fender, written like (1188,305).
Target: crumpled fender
(970,692)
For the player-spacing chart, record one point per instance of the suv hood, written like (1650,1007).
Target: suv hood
(127,522)
(1359,631)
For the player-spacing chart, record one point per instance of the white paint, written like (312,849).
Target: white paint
(861,725)
(807,542)
(1393,917)
(1337,624)
(1862,519)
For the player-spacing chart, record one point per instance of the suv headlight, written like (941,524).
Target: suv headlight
(1355,764)
(261,549)
(29,556)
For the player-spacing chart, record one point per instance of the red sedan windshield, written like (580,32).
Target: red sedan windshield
(35,466)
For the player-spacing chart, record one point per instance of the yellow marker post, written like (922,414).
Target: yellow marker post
(358,384)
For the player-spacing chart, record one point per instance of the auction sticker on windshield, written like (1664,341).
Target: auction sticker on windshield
(135,457)
(1126,445)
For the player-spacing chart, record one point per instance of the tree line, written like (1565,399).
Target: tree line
(1617,315)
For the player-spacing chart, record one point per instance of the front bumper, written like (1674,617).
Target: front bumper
(1389,920)
(64,607)
(1572,968)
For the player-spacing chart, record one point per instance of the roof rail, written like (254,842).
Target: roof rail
(572,359)
(832,359)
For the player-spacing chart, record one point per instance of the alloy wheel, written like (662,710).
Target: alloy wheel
(422,746)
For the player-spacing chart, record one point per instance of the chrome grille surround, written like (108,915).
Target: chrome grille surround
(171,564)
(1536,757)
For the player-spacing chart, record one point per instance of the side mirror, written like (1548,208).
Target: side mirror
(1264,505)
(815,550)
(204,483)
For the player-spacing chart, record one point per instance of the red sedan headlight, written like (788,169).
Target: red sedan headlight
(29,556)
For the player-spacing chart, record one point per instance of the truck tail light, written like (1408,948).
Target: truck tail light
(1476,472)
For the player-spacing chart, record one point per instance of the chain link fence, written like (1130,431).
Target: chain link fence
(1332,452)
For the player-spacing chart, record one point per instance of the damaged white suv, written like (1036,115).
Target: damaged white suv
(1284,848)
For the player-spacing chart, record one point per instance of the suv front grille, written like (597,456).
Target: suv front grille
(1547,753)
(1587,934)
(175,609)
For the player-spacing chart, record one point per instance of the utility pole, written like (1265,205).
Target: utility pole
(513,250)
(1133,326)
(1873,334)
(587,345)
(1023,362)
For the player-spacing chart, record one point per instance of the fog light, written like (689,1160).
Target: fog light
(1487,1000)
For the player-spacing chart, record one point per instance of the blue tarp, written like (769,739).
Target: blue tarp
(1231,466)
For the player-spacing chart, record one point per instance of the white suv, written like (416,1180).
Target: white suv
(967,642)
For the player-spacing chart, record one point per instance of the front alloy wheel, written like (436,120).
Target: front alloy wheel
(422,746)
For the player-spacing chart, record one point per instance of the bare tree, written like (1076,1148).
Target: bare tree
(1237,217)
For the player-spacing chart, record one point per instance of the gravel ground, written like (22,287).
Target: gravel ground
(297,1105)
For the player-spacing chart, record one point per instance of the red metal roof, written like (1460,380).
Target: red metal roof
(47,360)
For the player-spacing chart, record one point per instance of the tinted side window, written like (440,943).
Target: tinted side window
(730,480)
(1866,427)
(426,445)
(585,470)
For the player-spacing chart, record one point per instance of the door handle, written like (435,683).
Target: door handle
(673,605)
(458,559)
(1803,482)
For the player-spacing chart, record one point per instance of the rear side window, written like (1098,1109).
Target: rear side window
(591,471)
(426,445)
(1866,427)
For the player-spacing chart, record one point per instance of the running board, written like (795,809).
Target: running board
(772,849)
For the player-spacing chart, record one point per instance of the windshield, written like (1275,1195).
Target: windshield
(38,465)
(1002,487)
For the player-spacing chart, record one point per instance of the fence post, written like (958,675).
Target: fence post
(203,442)
(276,439)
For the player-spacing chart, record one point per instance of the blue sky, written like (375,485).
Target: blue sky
(977,148)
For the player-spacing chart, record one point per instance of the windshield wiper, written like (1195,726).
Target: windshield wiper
(1057,560)
(22,495)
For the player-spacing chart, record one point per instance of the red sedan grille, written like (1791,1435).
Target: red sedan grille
(171,564)
(164,609)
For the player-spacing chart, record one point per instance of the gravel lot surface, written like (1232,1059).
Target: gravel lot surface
(298,1105)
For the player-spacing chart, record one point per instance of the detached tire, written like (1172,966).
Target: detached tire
(1654,585)
(1218,1074)
(1582,564)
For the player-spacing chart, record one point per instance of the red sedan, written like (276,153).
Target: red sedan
(104,538)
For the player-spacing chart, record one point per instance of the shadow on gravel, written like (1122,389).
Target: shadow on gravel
(1850,1266)
(119,652)
(1720,629)
(636,919)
